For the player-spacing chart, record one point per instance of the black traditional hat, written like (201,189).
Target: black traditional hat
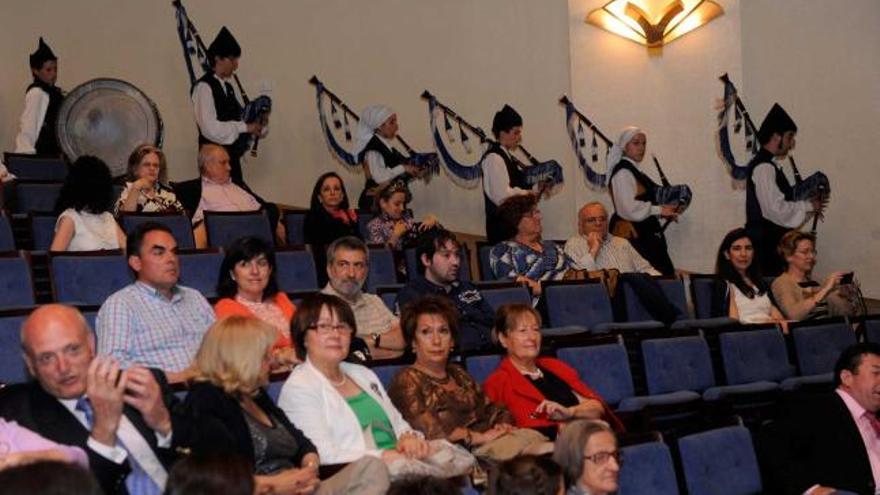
(776,121)
(42,55)
(224,45)
(505,119)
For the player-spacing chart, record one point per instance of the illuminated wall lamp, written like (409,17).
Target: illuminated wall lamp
(653,23)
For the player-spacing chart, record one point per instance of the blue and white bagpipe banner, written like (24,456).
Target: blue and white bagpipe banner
(468,175)
(577,125)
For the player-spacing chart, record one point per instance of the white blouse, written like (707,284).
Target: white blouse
(755,310)
(90,231)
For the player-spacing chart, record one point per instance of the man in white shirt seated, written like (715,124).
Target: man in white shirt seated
(594,248)
(216,190)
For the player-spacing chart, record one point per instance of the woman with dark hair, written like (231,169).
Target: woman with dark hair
(85,202)
(802,298)
(329,218)
(541,392)
(527,475)
(740,288)
(247,287)
(590,460)
(146,187)
(210,474)
(526,257)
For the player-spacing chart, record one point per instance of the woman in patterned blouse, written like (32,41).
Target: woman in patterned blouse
(145,187)
(394,222)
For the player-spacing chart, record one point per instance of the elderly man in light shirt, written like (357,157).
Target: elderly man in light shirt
(216,190)
(593,248)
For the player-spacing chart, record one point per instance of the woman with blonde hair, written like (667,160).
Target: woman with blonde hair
(235,416)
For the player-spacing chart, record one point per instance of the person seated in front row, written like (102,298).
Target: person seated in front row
(236,417)
(247,287)
(85,203)
(542,393)
(23,446)
(146,184)
(740,288)
(526,475)
(329,218)
(439,256)
(594,248)
(526,257)
(348,264)
(587,451)
(393,224)
(215,190)
(343,407)
(802,298)
(154,322)
(117,414)
(440,399)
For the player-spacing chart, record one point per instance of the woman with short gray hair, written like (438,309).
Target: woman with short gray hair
(587,451)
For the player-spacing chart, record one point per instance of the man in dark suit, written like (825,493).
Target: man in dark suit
(832,443)
(118,417)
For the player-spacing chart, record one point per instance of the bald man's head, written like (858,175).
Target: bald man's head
(58,347)
(214,163)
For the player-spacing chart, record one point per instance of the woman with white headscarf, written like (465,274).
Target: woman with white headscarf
(374,144)
(636,216)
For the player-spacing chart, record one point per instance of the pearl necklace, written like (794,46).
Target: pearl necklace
(339,383)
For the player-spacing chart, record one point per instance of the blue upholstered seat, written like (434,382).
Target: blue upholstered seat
(16,284)
(588,305)
(872,330)
(647,469)
(295,270)
(200,269)
(294,223)
(720,462)
(7,241)
(88,277)
(32,167)
(496,297)
(751,357)
(12,367)
(383,271)
(701,295)
(42,230)
(180,225)
(386,372)
(483,252)
(817,347)
(225,227)
(480,367)
(677,363)
(38,196)
(605,368)
(675,294)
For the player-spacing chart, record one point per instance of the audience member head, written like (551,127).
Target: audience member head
(48,478)
(507,127)
(329,193)
(777,132)
(210,475)
(799,251)
(392,199)
(88,187)
(423,485)
(593,217)
(518,330)
(322,328)
(58,347)
(44,64)
(348,263)
(734,263)
(235,355)
(430,328)
(521,216)
(248,269)
(223,53)
(213,163)
(152,254)
(526,475)
(857,372)
(439,254)
(147,162)
(587,452)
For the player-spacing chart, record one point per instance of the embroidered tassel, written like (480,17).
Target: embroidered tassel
(447,126)
(581,139)
(465,140)
(750,141)
(334,113)
(594,149)
(738,120)
(346,126)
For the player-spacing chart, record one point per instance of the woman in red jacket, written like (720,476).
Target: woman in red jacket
(541,392)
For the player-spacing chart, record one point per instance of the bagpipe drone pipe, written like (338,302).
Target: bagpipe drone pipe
(468,175)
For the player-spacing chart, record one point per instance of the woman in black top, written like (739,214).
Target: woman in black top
(329,218)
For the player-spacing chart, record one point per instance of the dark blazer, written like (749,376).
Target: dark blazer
(190,193)
(818,443)
(221,426)
(32,407)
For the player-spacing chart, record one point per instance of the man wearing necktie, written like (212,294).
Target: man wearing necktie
(832,444)
(118,416)
(218,109)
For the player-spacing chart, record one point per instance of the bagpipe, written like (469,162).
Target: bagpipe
(468,175)
(679,195)
(342,116)
(814,187)
(256,110)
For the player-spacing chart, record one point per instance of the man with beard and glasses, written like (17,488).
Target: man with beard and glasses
(347,268)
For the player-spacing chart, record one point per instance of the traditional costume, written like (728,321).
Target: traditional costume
(636,215)
(383,161)
(770,208)
(42,101)
(503,175)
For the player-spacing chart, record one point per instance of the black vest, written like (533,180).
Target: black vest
(228,109)
(391,157)
(47,140)
(765,234)
(646,191)
(496,231)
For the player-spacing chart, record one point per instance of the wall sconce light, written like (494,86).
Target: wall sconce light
(653,23)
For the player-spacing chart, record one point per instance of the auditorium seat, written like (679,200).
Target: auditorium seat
(872,329)
(647,468)
(42,226)
(33,167)
(720,462)
(483,251)
(225,227)
(386,372)
(586,304)
(383,269)
(200,269)
(701,294)
(817,346)
(87,277)
(757,357)
(7,240)
(675,294)
(294,224)
(36,196)
(364,218)
(388,294)
(481,366)
(498,294)
(604,367)
(16,284)
(295,270)
(12,367)
(180,225)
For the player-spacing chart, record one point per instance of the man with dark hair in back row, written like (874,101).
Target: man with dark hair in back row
(439,257)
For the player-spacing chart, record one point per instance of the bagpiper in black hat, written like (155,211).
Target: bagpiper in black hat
(776,121)
(505,119)
(42,55)
(224,45)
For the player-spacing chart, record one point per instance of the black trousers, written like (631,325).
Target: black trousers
(649,293)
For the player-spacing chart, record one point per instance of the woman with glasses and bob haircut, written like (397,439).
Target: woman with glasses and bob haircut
(587,452)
